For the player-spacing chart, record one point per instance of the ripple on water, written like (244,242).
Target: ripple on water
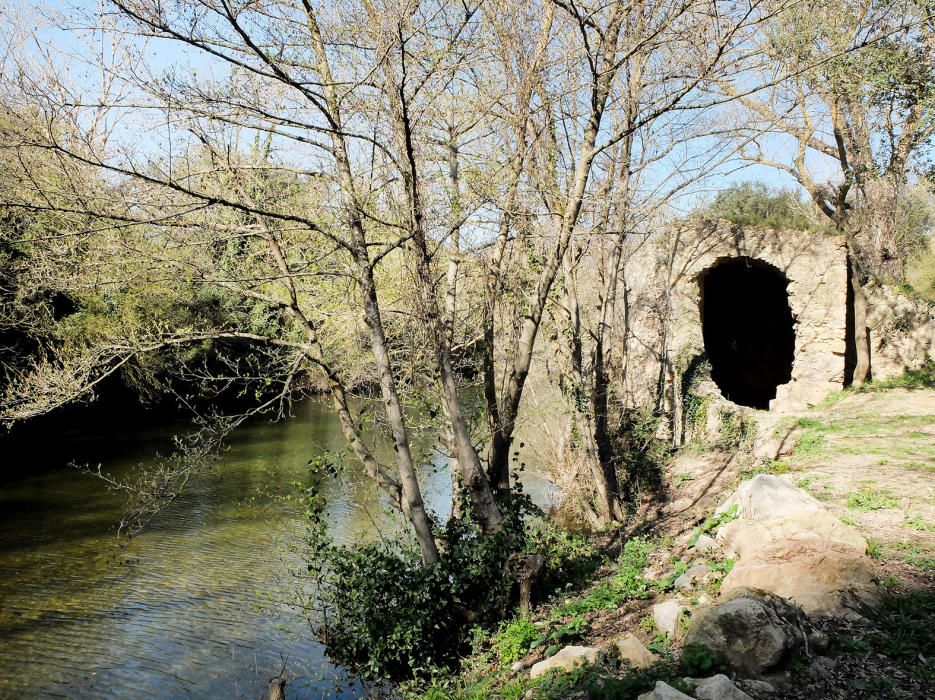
(177,614)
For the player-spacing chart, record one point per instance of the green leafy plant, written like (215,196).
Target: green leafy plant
(699,660)
(555,639)
(514,638)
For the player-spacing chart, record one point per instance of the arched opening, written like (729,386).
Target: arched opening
(749,332)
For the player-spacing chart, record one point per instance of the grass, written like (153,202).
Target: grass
(871,498)
(916,522)
(922,378)
(776,466)
(809,443)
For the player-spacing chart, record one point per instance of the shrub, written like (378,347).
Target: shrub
(385,615)
(757,204)
(569,558)
(514,639)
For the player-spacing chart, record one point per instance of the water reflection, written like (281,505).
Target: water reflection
(198,607)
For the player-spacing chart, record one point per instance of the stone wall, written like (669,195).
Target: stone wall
(663,282)
(902,331)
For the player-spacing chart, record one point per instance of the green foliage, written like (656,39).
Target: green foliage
(871,498)
(569,558)
(723,566)
(562,635)
(699,661)
(514,638)
(922,378)
(695,405)
(903,624)
(775,466)
(626,584)
(381,612)
(917,522)
(754,203)
(737,429)
(712,523)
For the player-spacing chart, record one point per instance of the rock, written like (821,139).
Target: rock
(750,630)
(666,616)
(743,538)
(705,544)
(758,686)
(768,496)
(687,580)
(818,641)
(664,691)
(529,694)
(631,649)
(819,577)
(716,687)
(566,660)
(704,599)
(821,667)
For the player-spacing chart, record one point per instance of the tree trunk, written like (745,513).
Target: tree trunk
(860,333)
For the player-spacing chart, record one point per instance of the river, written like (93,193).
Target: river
(201,605)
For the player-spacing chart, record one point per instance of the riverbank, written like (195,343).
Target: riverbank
(852,541)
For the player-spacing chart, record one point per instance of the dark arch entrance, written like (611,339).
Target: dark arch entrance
(749,332)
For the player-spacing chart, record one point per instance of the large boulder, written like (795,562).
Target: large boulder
(565,660)
(767,496)
(752,631)
(716,687)
(744,538)
(632,650)
(820,577)
(664,691)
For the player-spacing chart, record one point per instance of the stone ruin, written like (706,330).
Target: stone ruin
(765,311)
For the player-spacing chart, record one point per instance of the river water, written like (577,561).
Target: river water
(202,604)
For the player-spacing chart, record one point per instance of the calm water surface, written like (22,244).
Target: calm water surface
(202,603)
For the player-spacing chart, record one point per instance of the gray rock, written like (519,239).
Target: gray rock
(767,496)
(716,687)
(705,544)
(687,580)
(664,691)
(758,686)
(818,641)
(751,631)
(565,660)
(666,616)
(821,667)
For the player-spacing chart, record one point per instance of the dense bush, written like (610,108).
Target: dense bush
(385,615)
(757,204)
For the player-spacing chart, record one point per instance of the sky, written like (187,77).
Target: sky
(72,47)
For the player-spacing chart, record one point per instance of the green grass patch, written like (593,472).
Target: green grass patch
(871,498)
(809,443)
(917,523)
